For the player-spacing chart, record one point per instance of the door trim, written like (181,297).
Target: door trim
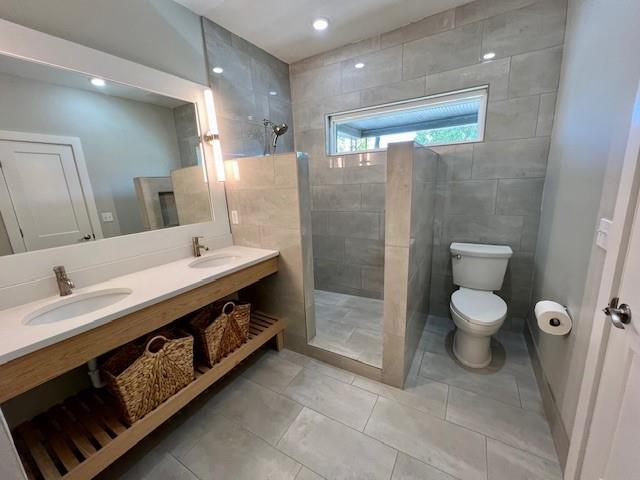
(17,243)
(618,238)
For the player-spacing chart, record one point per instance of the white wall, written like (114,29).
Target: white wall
(157,33)
(600,75)
(121,139)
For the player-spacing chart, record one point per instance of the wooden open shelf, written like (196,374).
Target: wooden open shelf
(82,436)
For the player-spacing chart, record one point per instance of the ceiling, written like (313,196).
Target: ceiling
(283,27)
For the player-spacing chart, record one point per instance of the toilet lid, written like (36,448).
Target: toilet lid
(479,307)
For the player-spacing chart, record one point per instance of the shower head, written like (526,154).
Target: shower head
(280,129)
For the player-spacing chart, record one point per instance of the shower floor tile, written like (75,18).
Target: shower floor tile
(350,326)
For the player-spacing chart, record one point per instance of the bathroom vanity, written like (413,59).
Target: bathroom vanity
(34,350)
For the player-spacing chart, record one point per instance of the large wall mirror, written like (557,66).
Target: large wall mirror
(82,159)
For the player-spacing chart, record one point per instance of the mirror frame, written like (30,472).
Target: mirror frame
(34,46)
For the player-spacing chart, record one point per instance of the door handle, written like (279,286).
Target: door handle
(86,238)
(619,315)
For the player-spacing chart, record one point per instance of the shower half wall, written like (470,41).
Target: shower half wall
(348,199)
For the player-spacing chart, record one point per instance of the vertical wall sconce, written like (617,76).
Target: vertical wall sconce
(212,136)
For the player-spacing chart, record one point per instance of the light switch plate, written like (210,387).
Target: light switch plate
(602,234)
(107,216)
(234,217)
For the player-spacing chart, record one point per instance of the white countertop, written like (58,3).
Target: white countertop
(148,287)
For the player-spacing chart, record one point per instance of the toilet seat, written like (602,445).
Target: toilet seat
(479,307)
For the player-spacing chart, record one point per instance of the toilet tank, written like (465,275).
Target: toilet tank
(477,266)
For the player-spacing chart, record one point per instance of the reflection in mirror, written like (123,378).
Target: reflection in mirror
(83,159)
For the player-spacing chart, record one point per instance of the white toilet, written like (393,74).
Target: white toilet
(477,312)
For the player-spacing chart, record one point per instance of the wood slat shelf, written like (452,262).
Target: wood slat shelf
(82,436)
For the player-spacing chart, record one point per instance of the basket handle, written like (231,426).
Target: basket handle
(157,337)
(224,308)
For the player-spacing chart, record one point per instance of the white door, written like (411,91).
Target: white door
(613,445)
(42,201)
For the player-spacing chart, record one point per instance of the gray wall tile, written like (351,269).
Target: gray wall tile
(318,83)
(365,174)
(535,72)
(373,197)
(539,25)
(529,233)
(515,118)
(352,50)
(380,68)
(242,92)
(494,73)
(320,223)
(355,224)
(393,92)
(328,273)
(471,197)
(373,279)
(441,52)
(323,172)
(519,196)
(361,251)
(454,162)
(511,158)
(437,23)
(310,114)
(496,229)
(546,114)
(482,9)
(328,248)
(336,197)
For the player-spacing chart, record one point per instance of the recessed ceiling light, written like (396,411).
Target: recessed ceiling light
(217,70)
(273,93)
(320,24)
(97,82)
(359,65)
(489,55)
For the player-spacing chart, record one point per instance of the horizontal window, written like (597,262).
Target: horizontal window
(451,118)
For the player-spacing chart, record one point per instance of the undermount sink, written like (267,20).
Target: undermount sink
(75,305)
(214,260)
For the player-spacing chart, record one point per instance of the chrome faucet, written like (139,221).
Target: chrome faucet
(197,248)
(65,285)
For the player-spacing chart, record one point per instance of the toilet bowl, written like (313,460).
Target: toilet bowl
(477,315)
(477,312)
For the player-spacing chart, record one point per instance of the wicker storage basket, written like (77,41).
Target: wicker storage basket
(219,329)
(142,375)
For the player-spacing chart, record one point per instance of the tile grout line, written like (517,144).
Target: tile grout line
(370,413)
(185,466)
(486,456)
(395,463)
(501,441)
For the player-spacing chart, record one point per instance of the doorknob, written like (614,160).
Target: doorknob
(619,315)
(86,237)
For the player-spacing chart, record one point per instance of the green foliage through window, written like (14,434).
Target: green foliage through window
(437,136)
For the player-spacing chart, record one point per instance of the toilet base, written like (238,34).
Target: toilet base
(471,350)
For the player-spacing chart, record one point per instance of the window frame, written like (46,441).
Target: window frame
(332,120)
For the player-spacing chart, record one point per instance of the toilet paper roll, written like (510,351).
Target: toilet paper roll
(553,318)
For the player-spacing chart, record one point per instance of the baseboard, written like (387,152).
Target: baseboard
(558,432)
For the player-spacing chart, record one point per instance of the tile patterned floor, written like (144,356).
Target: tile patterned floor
(286,416)
(350,326)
